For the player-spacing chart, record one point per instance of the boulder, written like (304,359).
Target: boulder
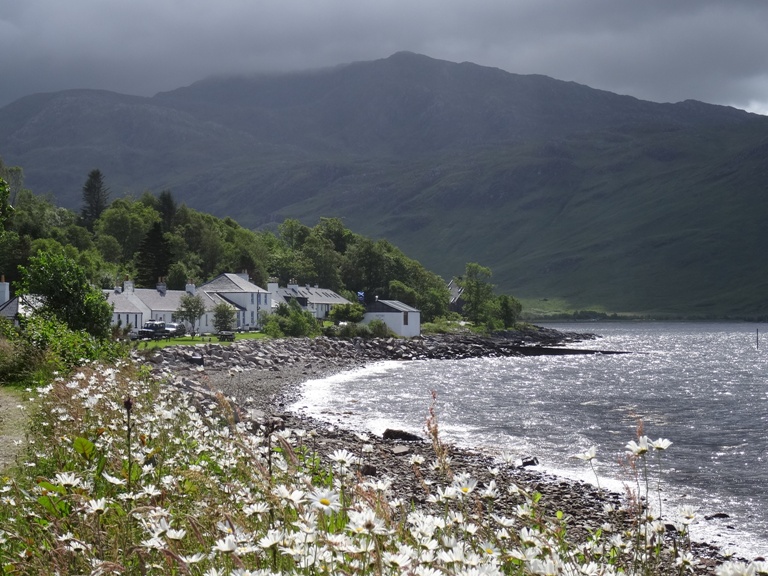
(390,434)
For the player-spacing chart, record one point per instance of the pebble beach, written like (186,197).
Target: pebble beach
(261,378)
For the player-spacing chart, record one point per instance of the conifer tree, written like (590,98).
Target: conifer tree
(153,257)
(95,198)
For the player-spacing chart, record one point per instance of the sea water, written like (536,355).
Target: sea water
(704,386)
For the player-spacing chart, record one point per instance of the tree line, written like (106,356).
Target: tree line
(154,236)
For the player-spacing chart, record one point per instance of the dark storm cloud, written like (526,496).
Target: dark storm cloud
(656,50)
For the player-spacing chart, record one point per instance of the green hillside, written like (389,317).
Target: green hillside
(565,192)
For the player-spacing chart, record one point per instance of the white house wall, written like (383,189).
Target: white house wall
(394,321)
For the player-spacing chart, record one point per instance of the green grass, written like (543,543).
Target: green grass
(191,341)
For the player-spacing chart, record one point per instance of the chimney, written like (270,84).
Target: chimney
(190,287)
(244,275)
(161,286)
(272,285)
(5,290)
(293,285)
(127,286)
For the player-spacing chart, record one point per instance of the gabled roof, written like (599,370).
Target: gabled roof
(218,298)
(230,283)
(285,295)
(20,305)
(391,305)
(455,290)
(311,294)
(10,309)
(123,304)
(149,300)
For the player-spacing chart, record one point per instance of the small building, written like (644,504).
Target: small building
(402,319)
(316,300)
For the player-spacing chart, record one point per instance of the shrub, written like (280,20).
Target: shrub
(63,349)
(331,331)
(362,331)
(352,312)
(348,331)
(379,329)
(443,325)
(14,361)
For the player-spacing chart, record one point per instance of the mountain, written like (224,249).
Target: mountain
(566,192)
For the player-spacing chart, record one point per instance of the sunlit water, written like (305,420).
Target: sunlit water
(703,386)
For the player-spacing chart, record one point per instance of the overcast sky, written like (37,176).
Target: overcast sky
(660,50)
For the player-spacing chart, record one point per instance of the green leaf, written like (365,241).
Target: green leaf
(100,465)
(84,447)
(55,488)
(47,503)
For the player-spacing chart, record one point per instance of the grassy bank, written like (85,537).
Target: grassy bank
(123,473)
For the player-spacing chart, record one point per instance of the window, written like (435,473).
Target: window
(405,318)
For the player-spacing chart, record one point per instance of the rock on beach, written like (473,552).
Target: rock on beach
(260,377)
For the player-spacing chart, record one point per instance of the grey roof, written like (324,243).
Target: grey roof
(148,300)
(229,283)
(151,300)
(455,290)
(312,294)
(122,303)
(218,298)
(20,305)
(10,309)
(396,305)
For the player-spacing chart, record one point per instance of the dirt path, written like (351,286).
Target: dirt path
(12,425)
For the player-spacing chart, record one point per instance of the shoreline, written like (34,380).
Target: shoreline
(262,396)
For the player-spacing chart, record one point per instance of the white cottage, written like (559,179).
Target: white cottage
(135,306)
(402,319)
(246,298)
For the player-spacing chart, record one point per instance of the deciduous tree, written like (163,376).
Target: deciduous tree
(223,317)
(64,292)
(191,308)
(5,207)
(478,290)
(509,310)
(127,221)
